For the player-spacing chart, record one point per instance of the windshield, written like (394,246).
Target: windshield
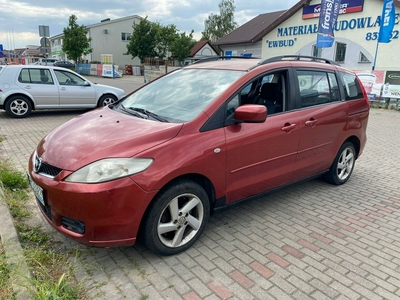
(181,95)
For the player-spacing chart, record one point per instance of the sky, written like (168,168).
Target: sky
(20,20)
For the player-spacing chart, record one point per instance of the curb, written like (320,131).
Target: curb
(14,254)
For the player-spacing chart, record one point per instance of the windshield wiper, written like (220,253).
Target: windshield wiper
(149,114)
(131,112)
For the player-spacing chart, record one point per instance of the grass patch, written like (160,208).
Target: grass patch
(52,274)
(6,291)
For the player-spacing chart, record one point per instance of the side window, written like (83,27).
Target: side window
(269,90)
(38,76)
(24,76)
(231,107)
(335,93)
(352,88)
(317,87)
(67,78)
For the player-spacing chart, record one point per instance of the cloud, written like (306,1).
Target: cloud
(21,19)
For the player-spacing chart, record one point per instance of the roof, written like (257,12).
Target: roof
(236,64)
(109,21)
(31,52)
(255,29)
(199,45)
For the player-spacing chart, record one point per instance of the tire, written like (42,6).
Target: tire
(107,100)
(176,218)
(342,166)
(18,107)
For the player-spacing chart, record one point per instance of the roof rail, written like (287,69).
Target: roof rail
(297,57)
(212,58)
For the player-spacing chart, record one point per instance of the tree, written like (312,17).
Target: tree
(165,38)
(75,43)
(217,26)
(143,40)
(182,46)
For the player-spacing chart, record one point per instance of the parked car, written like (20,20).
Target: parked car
(64,64)
(45,61)
(198,140)
(26,87)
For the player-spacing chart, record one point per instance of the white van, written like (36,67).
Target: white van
(46,61)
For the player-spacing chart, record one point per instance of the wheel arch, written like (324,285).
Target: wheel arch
(356,143)
(105,95)
(201,180)
(19,95)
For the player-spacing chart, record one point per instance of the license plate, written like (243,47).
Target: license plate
(37,190)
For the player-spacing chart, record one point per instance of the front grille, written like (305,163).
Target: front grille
(45,208)
(48,170)
(73,225)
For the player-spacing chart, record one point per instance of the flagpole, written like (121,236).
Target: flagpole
(376,54)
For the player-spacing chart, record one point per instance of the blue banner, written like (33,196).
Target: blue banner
(327,19)
(387,21)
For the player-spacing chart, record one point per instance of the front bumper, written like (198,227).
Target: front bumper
(104,215)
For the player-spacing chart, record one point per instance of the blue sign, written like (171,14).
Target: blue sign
(327,19)
(387,23)
(346,7)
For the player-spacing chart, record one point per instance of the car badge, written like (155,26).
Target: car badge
(38,164)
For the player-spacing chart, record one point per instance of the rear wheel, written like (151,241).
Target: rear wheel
(18,107)
(343,165)
(107,100)
(176,218)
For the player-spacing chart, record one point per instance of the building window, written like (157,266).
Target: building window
(340,52)
(125,36)
(363,58)
(316,52)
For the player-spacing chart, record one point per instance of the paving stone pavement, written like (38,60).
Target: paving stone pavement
(311,240)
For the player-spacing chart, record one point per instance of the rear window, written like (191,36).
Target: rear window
(352,88)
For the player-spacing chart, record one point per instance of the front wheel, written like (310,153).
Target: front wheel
(176,218)
(107,100)
(18,107)
(343,165)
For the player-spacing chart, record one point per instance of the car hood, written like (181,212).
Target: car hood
(102,133)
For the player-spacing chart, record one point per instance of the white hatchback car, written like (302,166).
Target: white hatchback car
(24,88)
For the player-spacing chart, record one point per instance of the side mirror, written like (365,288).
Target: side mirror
(251,113)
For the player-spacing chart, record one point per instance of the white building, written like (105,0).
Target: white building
(109,37)
(202,49)
(294,31)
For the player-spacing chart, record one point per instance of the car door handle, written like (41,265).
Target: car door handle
(28,87)
(311,122)
(288,127)
(63,89)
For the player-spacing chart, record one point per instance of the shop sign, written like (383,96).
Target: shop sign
(349,6)
(281,43)
(360,23)
(391,88)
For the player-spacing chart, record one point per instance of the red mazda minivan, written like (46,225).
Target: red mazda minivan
(195,141)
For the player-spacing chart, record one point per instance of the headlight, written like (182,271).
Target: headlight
(109,169)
